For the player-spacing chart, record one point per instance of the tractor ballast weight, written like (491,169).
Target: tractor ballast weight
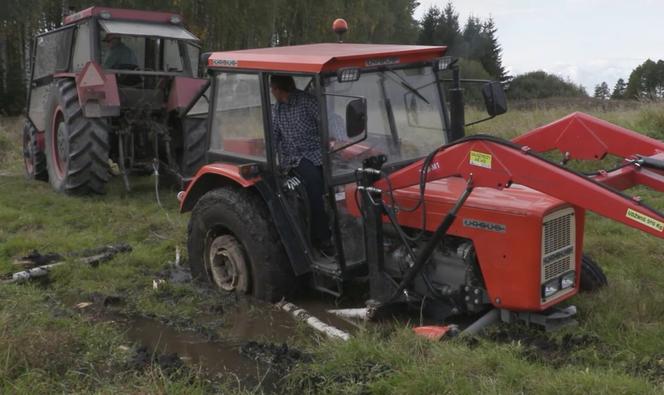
(475,224)
(109,94)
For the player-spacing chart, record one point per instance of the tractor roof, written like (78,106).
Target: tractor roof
(316,58)
(124,14)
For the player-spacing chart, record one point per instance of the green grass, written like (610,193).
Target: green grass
(47,346)
(404,364)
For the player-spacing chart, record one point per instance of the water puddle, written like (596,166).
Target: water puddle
(254,344)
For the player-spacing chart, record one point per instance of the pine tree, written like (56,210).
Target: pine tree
(448,32)
(602,91)
(429,26)
(474,42)
(619,90)
(492,57)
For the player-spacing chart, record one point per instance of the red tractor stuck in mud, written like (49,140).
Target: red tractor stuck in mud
(458,224)
(109,91)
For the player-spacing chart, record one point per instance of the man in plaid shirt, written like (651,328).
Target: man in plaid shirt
(295,119)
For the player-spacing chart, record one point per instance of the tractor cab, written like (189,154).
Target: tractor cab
(374,102)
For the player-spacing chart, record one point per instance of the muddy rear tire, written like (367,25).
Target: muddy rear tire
(233,245)
(592,275)
(76,147)
(34,159)
(194,146)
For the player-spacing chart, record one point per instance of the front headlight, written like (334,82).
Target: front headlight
(551,288)
(567,280)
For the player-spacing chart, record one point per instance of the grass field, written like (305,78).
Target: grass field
(47,345)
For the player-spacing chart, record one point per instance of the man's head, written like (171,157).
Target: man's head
(112,40)
(281,86)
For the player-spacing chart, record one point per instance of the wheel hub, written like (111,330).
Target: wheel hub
(226,264)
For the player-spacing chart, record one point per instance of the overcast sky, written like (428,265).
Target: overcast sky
(587,41)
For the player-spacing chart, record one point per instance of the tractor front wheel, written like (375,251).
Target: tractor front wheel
(592,275)
(76,147)
(33,158)
(233,245)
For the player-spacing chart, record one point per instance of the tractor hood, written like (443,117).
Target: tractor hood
(440,196)
(517,199)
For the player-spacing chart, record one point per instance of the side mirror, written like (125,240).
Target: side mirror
(356,118)
(494,98)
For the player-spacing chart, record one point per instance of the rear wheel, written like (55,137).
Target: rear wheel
(33,158)
(194,144)
(76,147)
(234,245)
(592,275)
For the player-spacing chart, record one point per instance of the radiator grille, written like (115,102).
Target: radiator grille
(557,233)
(558,246)
(558,267)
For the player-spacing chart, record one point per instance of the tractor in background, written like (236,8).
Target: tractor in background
(108,93)
(433,218)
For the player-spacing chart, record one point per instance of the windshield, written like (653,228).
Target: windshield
(404,116)
(121,52)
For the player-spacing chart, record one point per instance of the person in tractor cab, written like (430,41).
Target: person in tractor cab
(295,129)
(119,55)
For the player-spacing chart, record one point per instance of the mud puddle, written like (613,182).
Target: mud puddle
(252,346)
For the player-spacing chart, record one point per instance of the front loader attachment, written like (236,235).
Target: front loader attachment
(580,136)
(496,163)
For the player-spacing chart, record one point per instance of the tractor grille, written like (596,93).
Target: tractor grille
(557,268)
(558,233)
(558,246)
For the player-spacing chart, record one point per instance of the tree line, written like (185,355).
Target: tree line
(645,82)
(239,24)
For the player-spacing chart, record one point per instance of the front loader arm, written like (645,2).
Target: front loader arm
(581,136)
(495,163)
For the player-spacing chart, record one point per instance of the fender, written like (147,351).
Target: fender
(222,174)
(209,177)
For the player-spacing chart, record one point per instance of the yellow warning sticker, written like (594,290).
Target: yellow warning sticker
(480,159)
(645,220)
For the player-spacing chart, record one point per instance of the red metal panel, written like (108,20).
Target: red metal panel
(315,58)
(183,90)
